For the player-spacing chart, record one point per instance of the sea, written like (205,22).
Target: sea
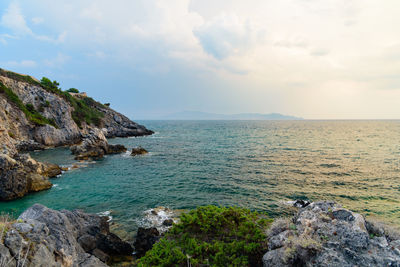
(260,165)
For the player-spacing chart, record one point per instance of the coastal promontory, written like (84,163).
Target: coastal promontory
(38,114)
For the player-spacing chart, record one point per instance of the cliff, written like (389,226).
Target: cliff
(38,114)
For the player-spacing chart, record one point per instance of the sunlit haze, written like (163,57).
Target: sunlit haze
(331,59)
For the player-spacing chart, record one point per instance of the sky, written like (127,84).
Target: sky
(317,59)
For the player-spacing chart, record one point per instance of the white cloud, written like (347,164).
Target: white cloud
(37,20)
(14,20)
(17,64)
(57,61)
(226,35)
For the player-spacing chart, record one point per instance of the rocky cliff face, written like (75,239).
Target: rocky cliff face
(35,115)
(45,237)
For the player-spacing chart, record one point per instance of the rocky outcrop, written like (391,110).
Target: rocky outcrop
(45,237)
(325,234)
(94,146)
(22,174)
(138,151)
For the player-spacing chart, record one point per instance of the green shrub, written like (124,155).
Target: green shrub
(216,236)
(73,90)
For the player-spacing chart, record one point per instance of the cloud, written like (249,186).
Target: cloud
(57,61)
(17,64)
(226,35)
(37,20)
(319,52)
(14,20)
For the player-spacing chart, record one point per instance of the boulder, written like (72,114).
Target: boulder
(138,151)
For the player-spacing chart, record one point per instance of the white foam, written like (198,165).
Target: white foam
(106,214)
(155,218)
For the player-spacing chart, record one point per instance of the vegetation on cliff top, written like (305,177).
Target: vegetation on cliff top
(212,236)
(28,109)
(84,108)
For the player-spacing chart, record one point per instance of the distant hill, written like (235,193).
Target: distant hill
(198,115)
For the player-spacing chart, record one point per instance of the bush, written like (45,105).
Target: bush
(216,236)
(73,90)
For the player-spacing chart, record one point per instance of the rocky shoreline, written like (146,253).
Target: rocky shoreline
(319,234)
(35,115)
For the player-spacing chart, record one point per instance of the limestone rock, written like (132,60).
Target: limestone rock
(325,234)
(46,237)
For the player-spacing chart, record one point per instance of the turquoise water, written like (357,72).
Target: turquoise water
(256,164)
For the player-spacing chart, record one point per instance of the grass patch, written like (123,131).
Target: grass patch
(18,77)
(28,109)
(212,236)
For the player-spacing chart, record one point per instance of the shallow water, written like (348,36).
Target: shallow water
(255,164)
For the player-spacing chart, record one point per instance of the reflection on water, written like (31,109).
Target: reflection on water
(256,164)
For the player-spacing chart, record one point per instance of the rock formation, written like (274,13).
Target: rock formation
(138,151)
(94,145)
(22,174)
(45,237)
(325,234)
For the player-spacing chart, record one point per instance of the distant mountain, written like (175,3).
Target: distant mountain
(198,115)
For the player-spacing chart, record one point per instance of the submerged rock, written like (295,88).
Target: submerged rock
(138,151)
(46,237)
(325,234)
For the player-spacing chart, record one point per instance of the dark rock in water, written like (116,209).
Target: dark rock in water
(145,239)
(46,237)
(299,203)
(168,222)
(116,149)
(325,234)
(138,151)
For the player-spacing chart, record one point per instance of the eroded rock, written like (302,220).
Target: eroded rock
(325,234)
(45,237)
